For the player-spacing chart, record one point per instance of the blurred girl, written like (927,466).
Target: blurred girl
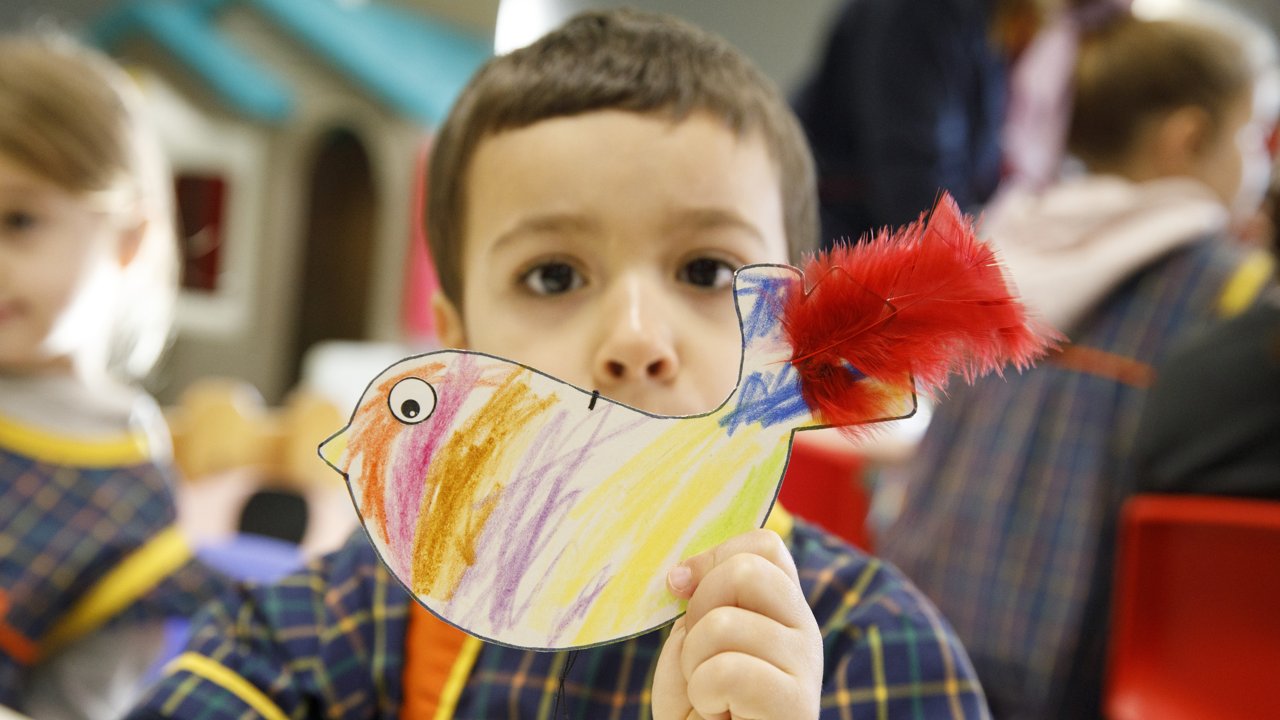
(1008,521)
(90,563)
(1212,421)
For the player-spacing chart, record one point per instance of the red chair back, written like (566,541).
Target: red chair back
(1196,618)
(824,485)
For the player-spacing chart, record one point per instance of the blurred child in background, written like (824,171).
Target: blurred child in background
(90,562)
(1212,422)
(1009,511)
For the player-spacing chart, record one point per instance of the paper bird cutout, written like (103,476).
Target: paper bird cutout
(533,513)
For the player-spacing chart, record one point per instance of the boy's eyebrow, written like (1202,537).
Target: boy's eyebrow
(683,219)
(551,223)
(711,218)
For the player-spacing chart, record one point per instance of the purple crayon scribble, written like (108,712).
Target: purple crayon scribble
(513,561)
(525,528)
(571,616)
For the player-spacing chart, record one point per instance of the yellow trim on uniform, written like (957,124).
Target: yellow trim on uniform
(226,678)
(69,450)
(780,521)
(137,574)
(1245,284)
(453,687)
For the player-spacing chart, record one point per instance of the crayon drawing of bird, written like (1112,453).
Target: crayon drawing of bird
(533,513)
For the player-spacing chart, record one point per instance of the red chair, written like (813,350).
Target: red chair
(823,485)
(1196,617)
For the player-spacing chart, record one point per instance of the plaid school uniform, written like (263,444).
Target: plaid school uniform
(86,541)
(331,642)
(1013,496)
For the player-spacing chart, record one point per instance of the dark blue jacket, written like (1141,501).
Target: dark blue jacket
(908,100)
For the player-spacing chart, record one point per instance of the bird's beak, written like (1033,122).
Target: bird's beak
(333,450)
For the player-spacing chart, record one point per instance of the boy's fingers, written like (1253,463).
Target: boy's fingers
(738,685)
(733,629)
(670,691)
(685,577)
(754,583)
(750,647)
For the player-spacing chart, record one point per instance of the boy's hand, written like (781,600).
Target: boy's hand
(748,647)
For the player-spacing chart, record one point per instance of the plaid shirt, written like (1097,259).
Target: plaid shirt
(62,530)
(1009,520)
(329,642)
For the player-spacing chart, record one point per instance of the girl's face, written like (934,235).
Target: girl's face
(1236,162)
(60,259)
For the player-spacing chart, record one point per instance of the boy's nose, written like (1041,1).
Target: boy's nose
(637,341)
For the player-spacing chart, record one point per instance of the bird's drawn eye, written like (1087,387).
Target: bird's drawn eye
(412,400)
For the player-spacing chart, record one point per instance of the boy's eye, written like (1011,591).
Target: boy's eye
(707,273)
(552,278)
(18,220)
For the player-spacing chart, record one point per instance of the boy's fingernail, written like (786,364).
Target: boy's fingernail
(680,577)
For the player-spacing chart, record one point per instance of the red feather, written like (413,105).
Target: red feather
(905,310)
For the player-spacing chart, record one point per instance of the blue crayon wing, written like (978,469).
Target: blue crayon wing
(768,391)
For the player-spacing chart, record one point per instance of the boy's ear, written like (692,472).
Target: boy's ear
(1181,138)
(448,321)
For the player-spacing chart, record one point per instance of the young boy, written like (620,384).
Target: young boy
(591,196)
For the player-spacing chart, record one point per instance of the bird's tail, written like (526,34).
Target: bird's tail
(900,313)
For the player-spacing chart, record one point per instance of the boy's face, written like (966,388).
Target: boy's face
(600,249)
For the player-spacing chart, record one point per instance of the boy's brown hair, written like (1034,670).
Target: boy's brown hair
(1132,71)
(614,60)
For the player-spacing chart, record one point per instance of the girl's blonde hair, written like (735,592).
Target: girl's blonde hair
(72,116)
(1132,71)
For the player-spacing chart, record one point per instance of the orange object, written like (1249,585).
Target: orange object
(823,485)
(12,642)
(1196,632)
(435,651)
